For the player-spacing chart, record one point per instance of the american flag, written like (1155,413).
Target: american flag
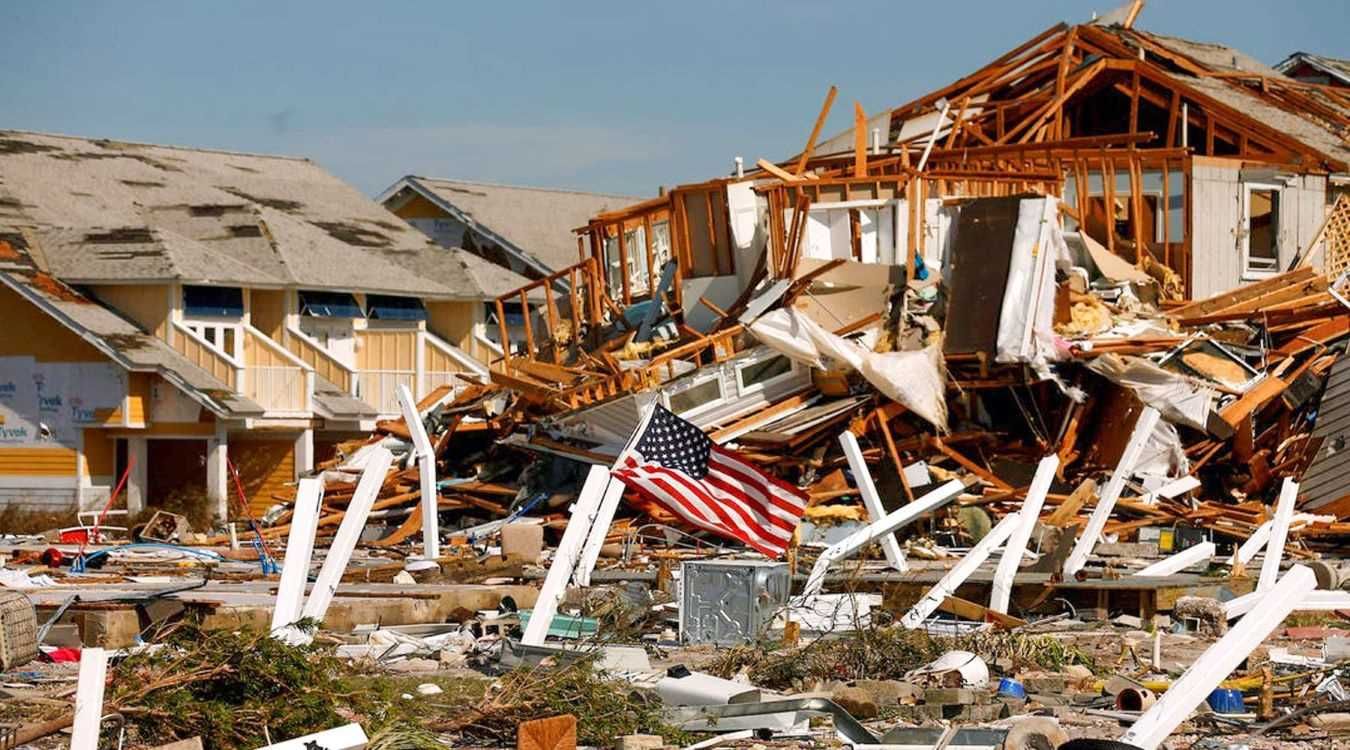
(673,464)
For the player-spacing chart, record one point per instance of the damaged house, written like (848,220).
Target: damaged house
(525,229)
(181,311)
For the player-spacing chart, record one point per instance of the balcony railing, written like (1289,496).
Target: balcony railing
(316,356)
(379,388)
(274,378)
(205,355)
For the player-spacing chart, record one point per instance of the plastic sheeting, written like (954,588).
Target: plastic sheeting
(1026,321)
(1181,401)
(912,378)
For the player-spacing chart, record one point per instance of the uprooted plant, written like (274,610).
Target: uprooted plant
(604,708)
(882,653)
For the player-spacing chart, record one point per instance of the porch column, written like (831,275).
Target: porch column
(218,474)
(138,455)
(304,453)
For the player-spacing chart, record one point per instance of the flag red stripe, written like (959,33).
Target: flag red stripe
(794,495)
(667,497)
(749,524)
(766,494)
(737,491)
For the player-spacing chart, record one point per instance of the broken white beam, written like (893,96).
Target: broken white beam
(871,498)
(1279,531)
(1106,502)
(344,542)
(875,530)
(950,582)
(1193,555)
(590,551)
(1172,489)
(1317,601)
(89,699)
(349,737)
(426,469)
(299,550)
(1215,664)
(1253,544)
(1017,544)
(565,557)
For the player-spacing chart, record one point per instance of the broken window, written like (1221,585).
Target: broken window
(697,396)
(757,375)
(1261,245)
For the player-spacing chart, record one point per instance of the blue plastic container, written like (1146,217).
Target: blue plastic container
(1226,701)
(1010,688)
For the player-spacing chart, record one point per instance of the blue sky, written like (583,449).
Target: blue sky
(606,96)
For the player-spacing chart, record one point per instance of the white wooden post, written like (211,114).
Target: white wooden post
(1017,545)
(344,542)
(426,469)
(871,498)
(299,549)
(89,699)
(584,512)
(1215,664)
(1279,531)
(961,571)
(1180,561)
(590,551)
(1143,429)
(877,529)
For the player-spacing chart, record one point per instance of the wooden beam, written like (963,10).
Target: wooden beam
(815,131)
(777,171)
(859,140)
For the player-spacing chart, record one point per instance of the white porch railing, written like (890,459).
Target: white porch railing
(379,388)
(276,388)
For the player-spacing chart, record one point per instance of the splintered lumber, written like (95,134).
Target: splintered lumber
(777,171)
(968,610)
(1219,302)
(1258,396)
(815,134)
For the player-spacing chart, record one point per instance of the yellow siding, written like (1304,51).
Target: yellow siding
(146,304)
(55,461)
(453,321)
(267,311)
(266,468)
(420,208)
(386,350)
(42,337)
(100,453)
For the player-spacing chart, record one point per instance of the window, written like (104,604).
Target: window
(1261,236)
(386,307)
(213,301)
(329,305)
(697,396)
(759,374)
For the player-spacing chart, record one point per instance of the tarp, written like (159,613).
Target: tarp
(913,378)
(1026,320)
(1180,400)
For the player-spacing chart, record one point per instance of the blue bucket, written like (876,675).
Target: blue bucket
(1226,701)
(1010,688)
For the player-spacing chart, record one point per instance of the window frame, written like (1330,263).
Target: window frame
(1247,273)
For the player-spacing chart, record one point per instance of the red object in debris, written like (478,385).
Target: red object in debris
(64,654)
(52,557)
(75,535)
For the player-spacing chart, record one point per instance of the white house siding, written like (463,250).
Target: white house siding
(1216,239)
